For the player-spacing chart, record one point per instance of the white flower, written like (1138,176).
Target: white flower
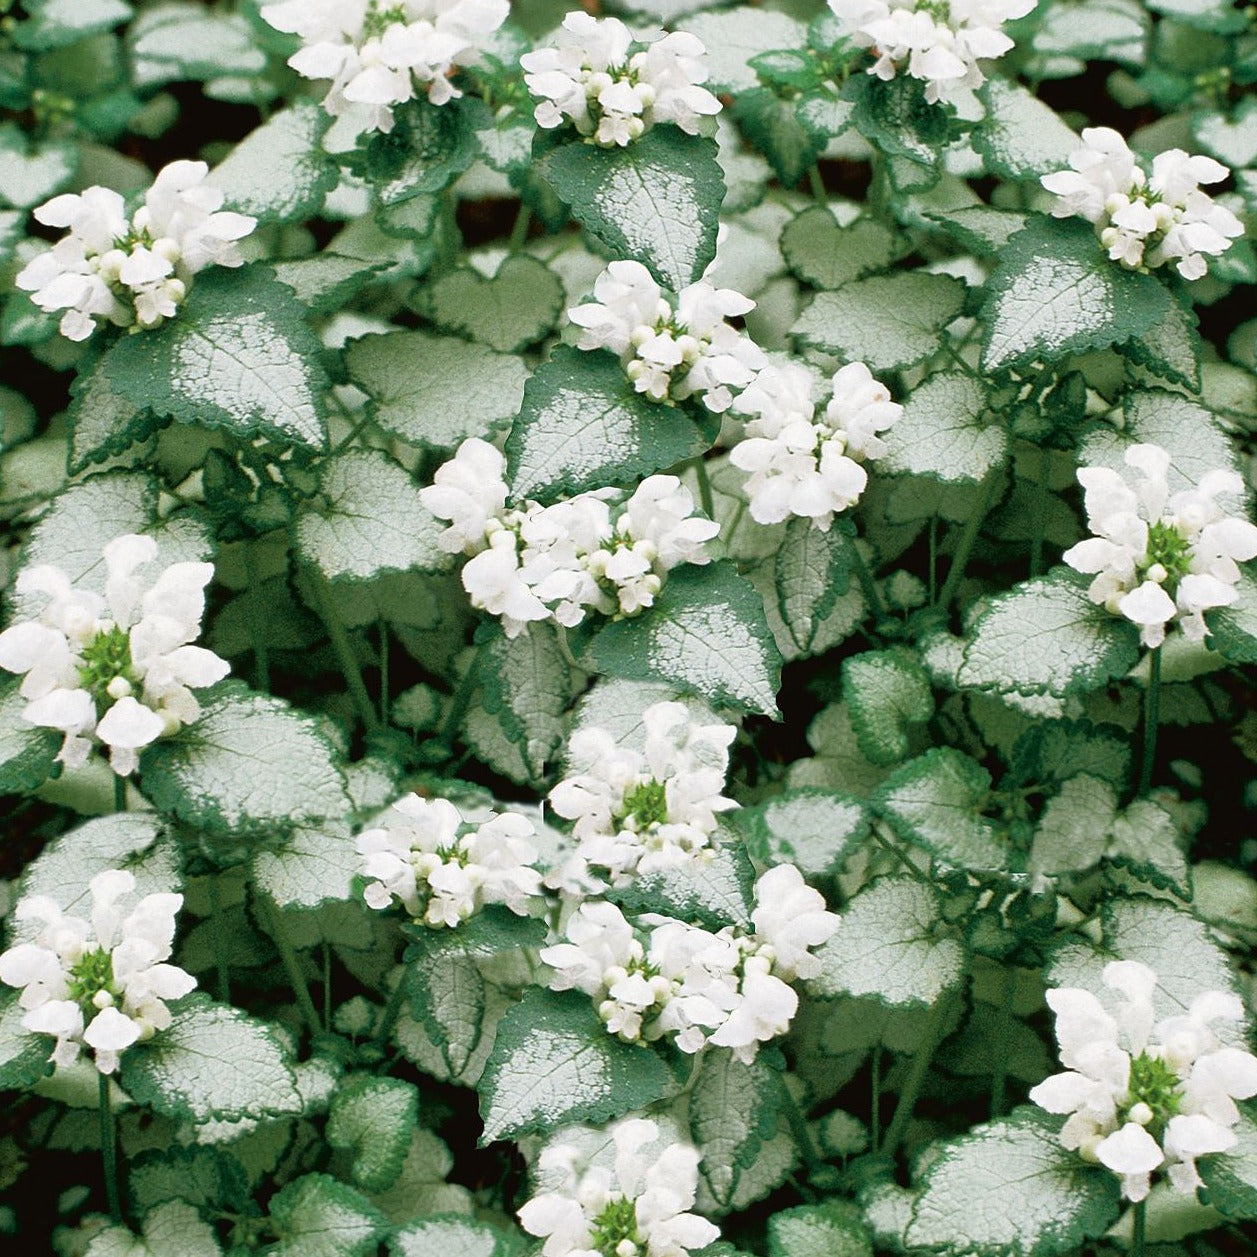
(558,562)
(613,88)
(671,354)
(100,982)
(377,52)
(1159,559)
(132,272)
(791,918)
(799,465)
(637,1207)
(937,41)
(638,811)
(443,866)
(1140,1093)
(1145,221)
(118,667)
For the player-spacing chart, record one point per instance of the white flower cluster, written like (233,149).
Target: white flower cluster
(671,353)
(100,982)
(1145,221)
(559,562)
(132,272)
(1143,1094)
(444,866)
(798,464)
(937,41)
(613,87)
(377,52)
(641,811)
(662,977)
(1158,558)
(636,1207)
(115,668)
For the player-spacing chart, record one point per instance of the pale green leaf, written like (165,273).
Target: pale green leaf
(30,174)
(102,421)
(1100,30)
(656,201)
(706,633)
(515,307)
(582,426)
(173,1229)
(368,521)
(1011,1190)
(238,357)
(887,692)
(936,802)
(326,281)
(734,36)
(811,573)
(248,762)
(555,1063)
(712,893)
(832,1229)
(734,1109)
(213,1061)
(1070,835)
(828,254)
(891,946)
(1021,137)
(450,1237)
(24,1056)
(946,431)
(435,391)
(316,1216)
(175,42)
(1055,291)
(314,864)
(886,321)
(27,752)
(1231,139)
(1231,1179)
(280,172)
(373,1119)
(1047,636)
(813,828)
(55,23)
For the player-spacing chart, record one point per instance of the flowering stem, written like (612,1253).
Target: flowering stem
(875,1108)
(327,987)
(220,943)
(933,559)
(1004,1028)
(706,501)
(964,547)
(798,1128)
(1152,716)
(1141,1229)
(916,1077)
(108,1148)
(817,184)
(119,793)
(344,651)
(384,681)
(1040,515)
(392,1010)
(463,694)
(867,584)
(292,966)
(519,232)
(886,845)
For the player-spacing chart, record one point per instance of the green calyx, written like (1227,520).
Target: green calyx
(615,1228)
(646,804)
(1168,548)
(92,974)
(106,658)
(1155,1084)
(378,19)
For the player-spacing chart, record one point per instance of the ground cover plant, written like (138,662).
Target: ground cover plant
(628,631)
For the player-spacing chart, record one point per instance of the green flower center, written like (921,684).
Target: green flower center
(613,1226)
(1169,548)
(939,10)
(1154,1083)
(646,804)
(93,973)
(106,657)
(379,19)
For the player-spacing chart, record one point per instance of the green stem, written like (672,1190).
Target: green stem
(343,647)
(352,435)
(519,231)
(916,1077)
(1004,1028)
(910,868)
(384,678)
(392,1010)
(220,943)
(705,499)
(798,1128)
(327,987)
(257,631)
(875,1113)
(933,559)
(867,583)
(817,185)
(462,699)
(119,793)
(1141,1229)
(1040,515)
(292,966)
(1152,717)
(109,1149)
(964,547)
